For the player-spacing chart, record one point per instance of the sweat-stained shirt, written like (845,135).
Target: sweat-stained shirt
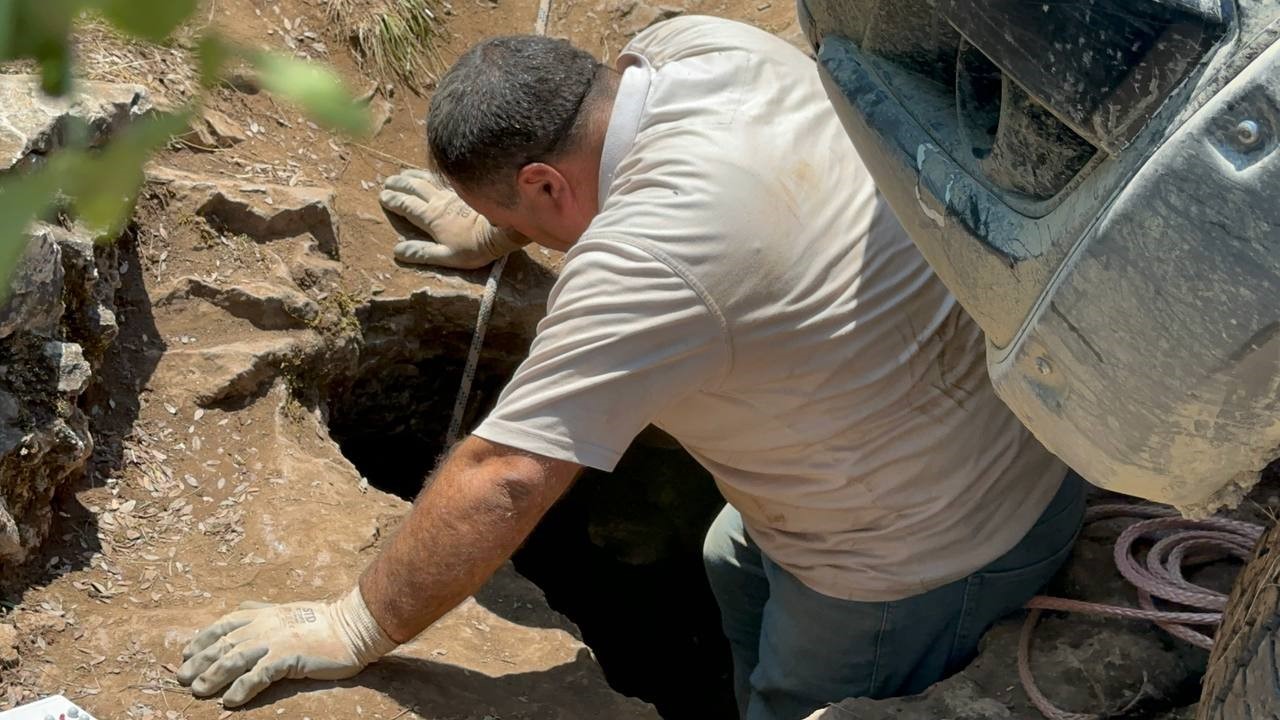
(745,288)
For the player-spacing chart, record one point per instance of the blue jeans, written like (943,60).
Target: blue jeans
(796,650)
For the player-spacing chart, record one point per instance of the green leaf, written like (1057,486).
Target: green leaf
(213,54)
(151,20)
(313,87)
(8,29)
(23,198)
(105,185)
(42,30)
(55,73)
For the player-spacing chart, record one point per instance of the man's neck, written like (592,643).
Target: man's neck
(597,128)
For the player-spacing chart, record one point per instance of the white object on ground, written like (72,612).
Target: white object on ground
(56,707)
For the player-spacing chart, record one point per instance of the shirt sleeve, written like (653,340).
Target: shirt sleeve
(625,336)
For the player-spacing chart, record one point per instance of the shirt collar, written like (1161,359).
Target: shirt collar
(624,120)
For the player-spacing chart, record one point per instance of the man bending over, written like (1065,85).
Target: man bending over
(734,278)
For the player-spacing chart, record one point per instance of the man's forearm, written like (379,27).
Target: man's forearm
(468,521)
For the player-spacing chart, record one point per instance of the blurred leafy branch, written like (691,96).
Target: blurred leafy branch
(100,185)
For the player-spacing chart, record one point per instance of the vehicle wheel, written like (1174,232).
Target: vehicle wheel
(1243,679)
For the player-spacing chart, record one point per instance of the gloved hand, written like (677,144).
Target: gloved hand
(463,238)
(262,643)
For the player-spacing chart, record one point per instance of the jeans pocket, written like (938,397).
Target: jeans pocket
(990,596)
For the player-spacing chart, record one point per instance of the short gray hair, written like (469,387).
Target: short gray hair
(507,102)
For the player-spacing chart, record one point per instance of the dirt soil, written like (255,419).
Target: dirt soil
(215,479)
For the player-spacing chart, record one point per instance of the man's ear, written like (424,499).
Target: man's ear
(542,184)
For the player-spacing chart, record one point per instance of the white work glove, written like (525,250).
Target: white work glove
(262,643)
(464,239)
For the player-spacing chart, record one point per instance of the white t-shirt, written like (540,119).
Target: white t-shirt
(746,289)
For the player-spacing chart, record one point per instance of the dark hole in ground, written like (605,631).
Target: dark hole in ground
(384,429)
(620,555)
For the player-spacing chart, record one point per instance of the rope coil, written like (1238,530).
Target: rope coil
(1178,542)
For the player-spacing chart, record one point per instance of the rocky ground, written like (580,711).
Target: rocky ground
(227,401)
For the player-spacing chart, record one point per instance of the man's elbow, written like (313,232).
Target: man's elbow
(516,479)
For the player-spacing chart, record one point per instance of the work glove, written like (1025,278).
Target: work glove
(463,238)
(261,643)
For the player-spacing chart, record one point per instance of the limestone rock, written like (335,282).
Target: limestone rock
(53,330)
(962,699)
(231,371)
(92,275)
(213,129)
(73,372)
(34,124)
(35,302)
(401,319)
(224,130)
(263,212)
(10,539)
(268,306)
(46,443)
